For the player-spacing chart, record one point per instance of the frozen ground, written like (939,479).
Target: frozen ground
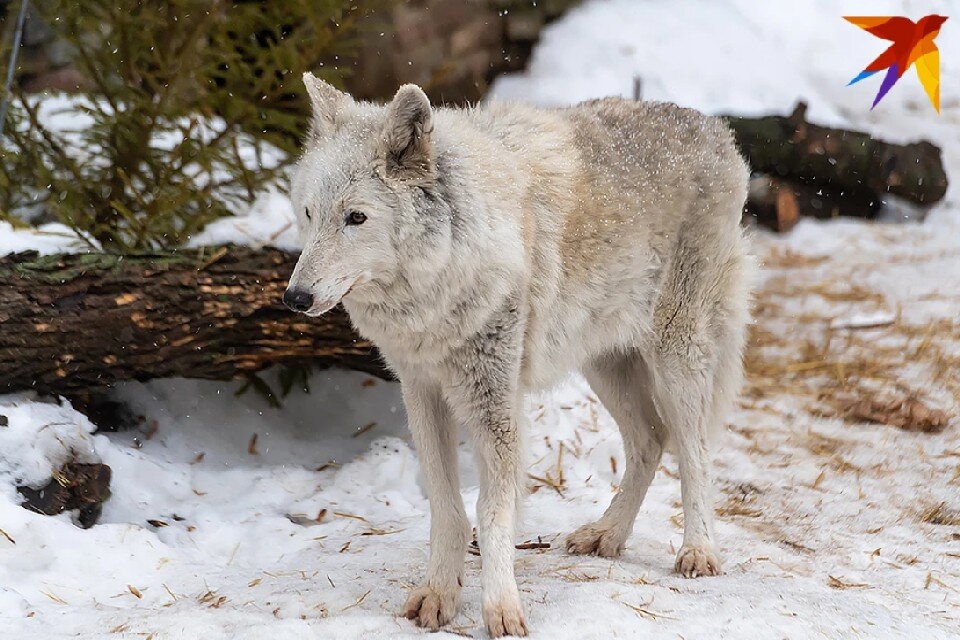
(828,528)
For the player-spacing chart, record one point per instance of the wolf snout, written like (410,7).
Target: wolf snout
(298,300)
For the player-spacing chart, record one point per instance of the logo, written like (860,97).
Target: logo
(912,46)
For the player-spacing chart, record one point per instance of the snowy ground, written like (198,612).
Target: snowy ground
(317,528)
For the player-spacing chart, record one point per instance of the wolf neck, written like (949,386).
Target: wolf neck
(444,294)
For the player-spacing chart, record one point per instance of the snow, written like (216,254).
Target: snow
(38,437)
(269,221)
(51,237)
(821,521)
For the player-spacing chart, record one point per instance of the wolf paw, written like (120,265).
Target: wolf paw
(504,619)
(596,539)
(694,562)
(430,607)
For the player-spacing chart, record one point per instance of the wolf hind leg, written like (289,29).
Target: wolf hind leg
(683,394)
(710,394)
(696,369)
(622,383)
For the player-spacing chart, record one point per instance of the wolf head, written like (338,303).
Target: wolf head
(364,195)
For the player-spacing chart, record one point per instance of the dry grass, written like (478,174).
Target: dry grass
(837,583)
(941,514)
(909,413)
(854,373)
(741,502)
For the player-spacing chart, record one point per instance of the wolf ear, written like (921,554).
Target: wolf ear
(406,135)
(328,105)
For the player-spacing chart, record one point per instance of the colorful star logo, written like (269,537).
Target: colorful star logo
(912,45)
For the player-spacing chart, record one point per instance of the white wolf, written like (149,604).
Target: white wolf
(488,252)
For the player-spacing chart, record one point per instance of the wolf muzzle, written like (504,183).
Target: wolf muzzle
(298,300)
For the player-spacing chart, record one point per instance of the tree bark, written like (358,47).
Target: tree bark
(841,164)
(76,323)
(779,204)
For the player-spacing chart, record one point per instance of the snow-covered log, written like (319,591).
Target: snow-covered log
(74,323)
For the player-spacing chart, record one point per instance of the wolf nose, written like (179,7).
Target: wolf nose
(298,299)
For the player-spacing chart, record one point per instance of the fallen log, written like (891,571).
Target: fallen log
(76,323)
(779,204)
(845,164)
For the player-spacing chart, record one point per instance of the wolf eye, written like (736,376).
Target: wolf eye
(307,211)
(356,217)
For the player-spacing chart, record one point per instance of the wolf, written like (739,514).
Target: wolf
(490,251)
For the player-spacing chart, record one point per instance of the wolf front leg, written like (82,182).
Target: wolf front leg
(484,393)
(434,430)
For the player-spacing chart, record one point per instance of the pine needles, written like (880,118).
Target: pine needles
(196,107)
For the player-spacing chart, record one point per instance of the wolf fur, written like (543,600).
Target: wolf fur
(502,247)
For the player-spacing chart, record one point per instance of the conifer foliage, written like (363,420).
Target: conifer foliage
(194,106)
